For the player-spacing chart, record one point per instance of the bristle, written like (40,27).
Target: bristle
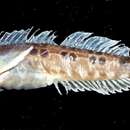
(84,40)
(23,37)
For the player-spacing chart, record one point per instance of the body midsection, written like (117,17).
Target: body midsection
(39,71)
(66,68)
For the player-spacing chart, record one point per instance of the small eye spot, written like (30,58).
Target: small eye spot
(73,55)
(44,52)
(64,53)
(102,60)
(34,51)
(92,59)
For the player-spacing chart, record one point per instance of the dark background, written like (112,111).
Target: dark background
(44,108)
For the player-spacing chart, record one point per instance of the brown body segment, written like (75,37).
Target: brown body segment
(64,63)
(76,64)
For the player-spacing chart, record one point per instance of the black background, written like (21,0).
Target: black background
(44,108)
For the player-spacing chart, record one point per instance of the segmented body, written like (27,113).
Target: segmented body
(81,62)
(77,64)
(46,64)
